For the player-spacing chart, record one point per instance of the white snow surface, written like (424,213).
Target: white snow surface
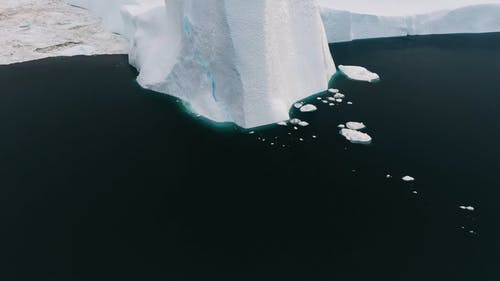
(351,21)
(358,73)
(36,29)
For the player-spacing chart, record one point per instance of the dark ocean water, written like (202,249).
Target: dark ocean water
(101,180)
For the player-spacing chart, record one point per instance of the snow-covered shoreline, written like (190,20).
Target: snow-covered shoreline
(31,30)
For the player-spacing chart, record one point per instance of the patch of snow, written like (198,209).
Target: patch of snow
(358,73)
(355,136)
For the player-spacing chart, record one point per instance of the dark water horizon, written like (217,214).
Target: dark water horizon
(103,180)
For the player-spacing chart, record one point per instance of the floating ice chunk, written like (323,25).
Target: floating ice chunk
(333,91)
(331,104)
(408,178)
(303,124)
(282,123)
(341,126)
(295,121)
(355,126)
(349,102)
(324,101)
(467,208)
(298,105)
(308,108)
(388,176)
(319,98)
(358,73)
(339,96)
(355,136)
(339,100)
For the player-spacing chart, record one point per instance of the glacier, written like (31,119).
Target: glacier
(346,25)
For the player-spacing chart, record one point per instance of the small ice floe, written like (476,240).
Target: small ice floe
(331,104)
(359,73)
(308,108)
(251,132)
(414,192)
(314,136)
(339,100)
(333,91)
(388,176)
(341,126)
(339,96)
(356,136)
(467,208)
(301,139)
(295,128)
(355,125)
(297,121)
(319,98)
(303,124)
(324,101)
(349,102)
(298,105)
(331,99)
(282,123)
(408,178)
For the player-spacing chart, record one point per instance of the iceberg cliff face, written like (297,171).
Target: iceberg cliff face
(240,61)
(346,26)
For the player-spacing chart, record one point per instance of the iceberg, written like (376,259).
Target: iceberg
(237,61)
